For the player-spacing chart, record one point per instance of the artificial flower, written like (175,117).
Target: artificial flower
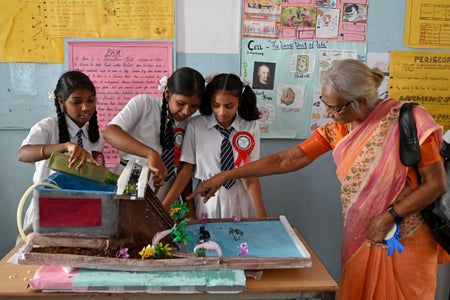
(174,210)
(210,77)
(147,251)
(204,218)
(162,83)
(244,249)
(122,253)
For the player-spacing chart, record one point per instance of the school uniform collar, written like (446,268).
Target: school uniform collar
(73,128)
(212,122)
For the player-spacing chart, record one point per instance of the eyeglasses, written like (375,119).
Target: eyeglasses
(336,109)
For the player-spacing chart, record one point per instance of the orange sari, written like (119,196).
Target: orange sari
(372,177)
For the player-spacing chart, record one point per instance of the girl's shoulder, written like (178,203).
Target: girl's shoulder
(144,103)
(200,119)
(48,122)
(145,99)
(244,124)
(199,123)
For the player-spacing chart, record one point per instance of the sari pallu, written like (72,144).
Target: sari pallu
(370,171)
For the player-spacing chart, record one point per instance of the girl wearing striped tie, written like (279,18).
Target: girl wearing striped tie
(226,135)
(150,130)
(74,130)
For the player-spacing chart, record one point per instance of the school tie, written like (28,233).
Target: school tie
(167,154)
(226,154)
(80,138)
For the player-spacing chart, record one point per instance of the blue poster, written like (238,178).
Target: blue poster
(285,75)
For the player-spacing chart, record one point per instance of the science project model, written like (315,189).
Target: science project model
(81,223)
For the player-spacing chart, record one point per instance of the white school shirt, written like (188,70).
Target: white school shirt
(141,118)
(202,144)
(201,147)
(46,131)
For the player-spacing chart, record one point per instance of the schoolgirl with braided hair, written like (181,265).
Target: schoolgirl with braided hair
(148,127)
(67,83)
(228,121)
(75,101)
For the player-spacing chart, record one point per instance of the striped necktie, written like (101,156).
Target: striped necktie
(80,138)
(167,154)
(226,154)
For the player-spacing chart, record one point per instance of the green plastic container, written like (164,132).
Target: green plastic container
(60,162)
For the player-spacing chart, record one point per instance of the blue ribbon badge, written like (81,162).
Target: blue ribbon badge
(392,241)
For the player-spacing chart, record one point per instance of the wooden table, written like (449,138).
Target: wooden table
(313,282)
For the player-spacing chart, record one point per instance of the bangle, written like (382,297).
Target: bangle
(42,151)
(394,214)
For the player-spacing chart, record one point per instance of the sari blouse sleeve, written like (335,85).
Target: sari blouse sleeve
(429,154)
(429,150)
(323,139)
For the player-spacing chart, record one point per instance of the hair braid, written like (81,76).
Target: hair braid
(93,131)
(164,113)
(64,135)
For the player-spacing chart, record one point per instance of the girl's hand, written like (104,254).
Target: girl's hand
(79,156)
(158,169)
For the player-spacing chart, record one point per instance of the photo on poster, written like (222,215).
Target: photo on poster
(269,27)
(290,96)
(354,12)
(302,64)
(325,3)
(263,75)
(266,113)
(298,17)
(327,25)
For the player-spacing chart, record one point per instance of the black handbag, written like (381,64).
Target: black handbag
(437,214)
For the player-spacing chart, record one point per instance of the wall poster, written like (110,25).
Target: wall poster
(119,71)
(422,77)
(286,46)
(427,24)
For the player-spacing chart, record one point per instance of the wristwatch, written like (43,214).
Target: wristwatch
(394,214)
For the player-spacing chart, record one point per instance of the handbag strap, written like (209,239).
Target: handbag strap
(409,142)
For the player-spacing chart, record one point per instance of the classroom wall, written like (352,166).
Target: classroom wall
(207,39)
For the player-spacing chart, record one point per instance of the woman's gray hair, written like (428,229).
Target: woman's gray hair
(352,79)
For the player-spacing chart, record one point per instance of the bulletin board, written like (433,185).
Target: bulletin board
(119,71)
(427,24)
(422,77)
(34,30)
(294,42)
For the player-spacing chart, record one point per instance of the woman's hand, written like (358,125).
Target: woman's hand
(208,188)
(379,227)
(78,156)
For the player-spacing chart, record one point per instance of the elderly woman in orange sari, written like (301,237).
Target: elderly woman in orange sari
(378,192)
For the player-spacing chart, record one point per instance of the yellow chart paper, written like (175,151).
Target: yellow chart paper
(427,24)
(422,77)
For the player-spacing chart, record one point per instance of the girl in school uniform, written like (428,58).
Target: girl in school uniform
(74,130)
(231,107)
(147,126)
